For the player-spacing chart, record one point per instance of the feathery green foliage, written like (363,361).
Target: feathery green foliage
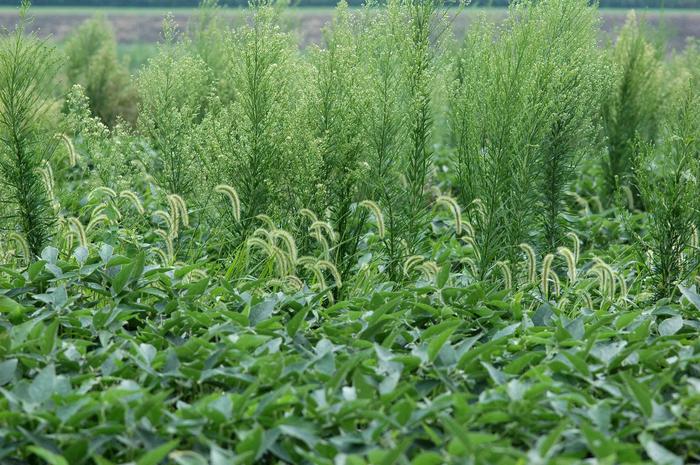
(630,112)
(173,88)
(336,116)
(254,138)
(27,69)
(521,109)
(93,63)
(667,178)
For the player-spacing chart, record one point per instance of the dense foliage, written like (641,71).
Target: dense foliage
(395,247)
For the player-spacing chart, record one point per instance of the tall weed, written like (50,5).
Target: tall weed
(27,69)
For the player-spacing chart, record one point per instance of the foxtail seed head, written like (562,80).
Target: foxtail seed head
(294,282)
(587,297)
(170,222)
(583,203)
(410,263)
(79,231)
(507,276)
(332,270)
(260,244)
(469,229)
(475,248)
(555,280)
(454,208)
(623,284)
(282,261)
(133,199)
(179,209)
(570,262)
(326,227)
(531,262)
(306,213)
(21,243)
(102,190)
(233,198)
(96,221)
(607,276)
(546,268)
(318,235)
(197,274)
(629,196)
(318,274)
(480,208)
(378,216)
(47,176)
(429,269)
(264,233)
(72,154)
(471,265)
(168,240)
(174,214)
(163,257)
(266,220)
(287,240)
(576,242)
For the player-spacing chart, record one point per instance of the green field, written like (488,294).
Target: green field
(407,240)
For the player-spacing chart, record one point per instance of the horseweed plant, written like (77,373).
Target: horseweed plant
(667,177)
(93,63)
(522,97)
(630,110)
(27,69)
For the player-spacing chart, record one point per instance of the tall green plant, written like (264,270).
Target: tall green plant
(667,179)
(630,112)
(336,116)
(256,139)
(173,88)
(399,68)
(93,63)
(208,36)
(383,124)
(27,71)
(521,106)
(423,28)
(570,78)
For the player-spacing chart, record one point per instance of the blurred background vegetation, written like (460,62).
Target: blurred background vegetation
(331,3)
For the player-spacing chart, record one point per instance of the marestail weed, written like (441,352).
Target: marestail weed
(27,70)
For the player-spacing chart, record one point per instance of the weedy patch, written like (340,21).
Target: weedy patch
(392,248)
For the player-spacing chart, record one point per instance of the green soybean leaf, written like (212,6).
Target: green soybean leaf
(48,456)
(155,456)
(7,370)
(641,394)
(439,341)
(671,326)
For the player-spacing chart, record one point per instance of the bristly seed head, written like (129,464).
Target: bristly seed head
(233,198)
(546,268)
(570,262)
(133,199)
(79,231)
(378,216)
(531,262)
(456,210)
(505,271)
